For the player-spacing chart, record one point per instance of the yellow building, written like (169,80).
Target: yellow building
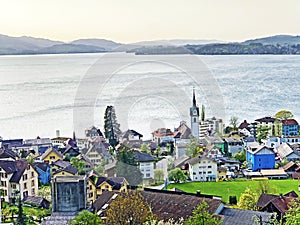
(51,155)
(67,171)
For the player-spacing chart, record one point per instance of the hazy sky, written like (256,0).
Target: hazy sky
(135,20)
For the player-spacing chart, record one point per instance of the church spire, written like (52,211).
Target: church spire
(194,97)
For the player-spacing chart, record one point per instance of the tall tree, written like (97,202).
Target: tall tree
(233,122)
(128,208)
(21,217)
(201,216)
(203,113)
(262,133)
(86,218)
(127,166)
(111,126)
(248,200)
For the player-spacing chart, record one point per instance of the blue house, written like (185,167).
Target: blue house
(43,170)
(290,127)
(260,157)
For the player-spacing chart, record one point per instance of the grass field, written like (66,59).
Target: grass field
(235,188)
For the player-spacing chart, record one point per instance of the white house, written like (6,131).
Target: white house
(146,164)
(203,169)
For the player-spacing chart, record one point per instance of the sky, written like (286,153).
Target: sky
(130,21)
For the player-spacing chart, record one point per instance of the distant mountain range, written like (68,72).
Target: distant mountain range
(30,45)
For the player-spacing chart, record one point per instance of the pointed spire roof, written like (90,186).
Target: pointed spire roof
(194,97)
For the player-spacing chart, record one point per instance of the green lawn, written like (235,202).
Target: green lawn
(235,188)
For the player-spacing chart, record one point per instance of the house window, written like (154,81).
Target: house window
(147,174)
(13,186)
(209,172)
(52,157)
(25,185)
(32,183)
(32,191)
(25,177)
(209,167)
(32,174)
(25,193)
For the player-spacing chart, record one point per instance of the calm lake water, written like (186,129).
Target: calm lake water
(38,92)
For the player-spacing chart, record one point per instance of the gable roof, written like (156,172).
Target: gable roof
(183,132)
(266,119)
(69,169)
(37,200)
(292,194)
(103,199)
(198,159)
(244,124)
(8,166)
(256,148)
(61,163)
(7,153)
(130,132)
(115,182)
(143,157)
(264,199)
(49,150)
(41,165)
(242,217)
(177,205)
(285,150)
(21,167)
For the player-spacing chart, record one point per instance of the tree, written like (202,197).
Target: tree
(161,222)
(111,126)
(201,216)
(128,208)
(192,148)
(233,122)
(128,167)
(284,115)
(248,200)
(262,133)
(203,113)
(86,218)
(292,215)
(177,175)
(21,217)
(158,175)
(264,187)
(79,164)
(240,156)
(145,148)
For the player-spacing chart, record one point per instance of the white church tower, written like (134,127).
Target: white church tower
(194,113)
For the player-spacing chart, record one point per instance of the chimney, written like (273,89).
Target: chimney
(57,133)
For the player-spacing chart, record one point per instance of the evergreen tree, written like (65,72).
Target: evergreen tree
(111,126)
(128,167)
(21,216)
(203,113)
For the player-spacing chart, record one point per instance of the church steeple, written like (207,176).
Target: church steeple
(194,98)
(194,113)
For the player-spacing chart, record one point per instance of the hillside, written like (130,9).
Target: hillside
(276,40)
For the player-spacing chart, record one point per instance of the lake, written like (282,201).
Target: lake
(44,93)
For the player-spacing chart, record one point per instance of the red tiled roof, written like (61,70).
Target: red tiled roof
(289,122)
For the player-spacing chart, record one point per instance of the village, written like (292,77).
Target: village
(65,175)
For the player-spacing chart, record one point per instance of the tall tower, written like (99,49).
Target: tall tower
(194,114)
